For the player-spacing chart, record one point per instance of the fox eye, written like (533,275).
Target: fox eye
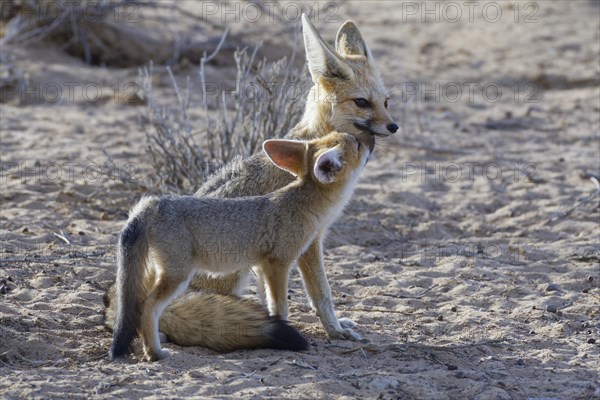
(362,103)
(385,103)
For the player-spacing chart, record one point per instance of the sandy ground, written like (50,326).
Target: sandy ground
(469,257)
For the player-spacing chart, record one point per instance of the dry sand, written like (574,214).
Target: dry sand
(469,256)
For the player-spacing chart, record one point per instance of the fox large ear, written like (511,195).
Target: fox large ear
(323,61)
(328,165)
(286,154)
(349,41)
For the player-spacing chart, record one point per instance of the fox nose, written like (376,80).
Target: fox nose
(392,128)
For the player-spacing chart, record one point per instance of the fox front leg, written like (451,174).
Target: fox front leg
(315,281)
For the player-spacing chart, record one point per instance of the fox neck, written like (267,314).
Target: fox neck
(314,206)
(316,121)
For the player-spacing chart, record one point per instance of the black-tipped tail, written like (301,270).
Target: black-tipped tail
(282,336)
(131,253)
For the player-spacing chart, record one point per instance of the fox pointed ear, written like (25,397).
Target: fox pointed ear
(328,165)
(288,155)
(323,61)
(349,41)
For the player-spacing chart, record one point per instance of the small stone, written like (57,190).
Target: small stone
(552,308)
(460,375)
(4,289)
(590,278)
(552,287)
(452,367)
(520,361)
(81,233)
(25,230)
(453,309)
(585,290)
(591,341)
(440,318)
(381,383)
(10,278)
(532,332)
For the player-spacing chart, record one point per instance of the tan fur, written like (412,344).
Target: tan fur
(168,239)
(219,322)
(329,106)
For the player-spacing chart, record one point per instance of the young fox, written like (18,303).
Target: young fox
(173,237)
(348,95)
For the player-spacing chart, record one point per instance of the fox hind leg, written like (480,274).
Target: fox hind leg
(275,276)
(165,289)
(260,285)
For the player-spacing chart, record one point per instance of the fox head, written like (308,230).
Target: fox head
(334,158)
(348,87)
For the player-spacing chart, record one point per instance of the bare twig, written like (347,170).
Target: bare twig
(62,237)
(404,346)
(578,204)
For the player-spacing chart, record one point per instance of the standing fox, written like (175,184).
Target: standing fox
(175,236)
(348,95)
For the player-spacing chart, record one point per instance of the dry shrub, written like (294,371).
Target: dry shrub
(184,155)
(12,81)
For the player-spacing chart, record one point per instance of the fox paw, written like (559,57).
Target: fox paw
(347,323)
(158,355)
(345,330)
(349,334)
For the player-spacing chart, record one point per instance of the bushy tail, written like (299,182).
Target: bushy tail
(225,323)
(132,259)
(222,323)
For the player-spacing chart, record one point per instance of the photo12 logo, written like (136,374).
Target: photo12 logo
(469,11)
(469,92)
(454,172)
(271,11)
(72,10)
(71,92)
(430,254)
(54,172)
